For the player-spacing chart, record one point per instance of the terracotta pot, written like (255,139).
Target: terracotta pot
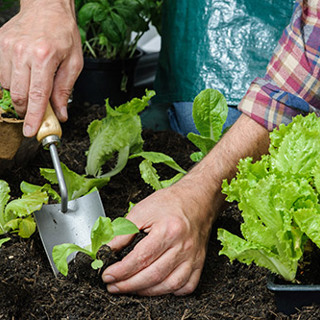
(15,149)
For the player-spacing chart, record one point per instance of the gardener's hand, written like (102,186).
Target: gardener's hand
(40,58)
(178,220)
(171,257)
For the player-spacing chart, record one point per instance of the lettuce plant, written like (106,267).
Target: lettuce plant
(118,133)
(210,111)
(103,231)
(6,103)
(4,240)
(279,200)
(16,215)
(209,114)
(77,185)
(149,173)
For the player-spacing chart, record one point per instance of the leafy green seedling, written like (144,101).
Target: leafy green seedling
(209,113)
(16,215)
(103,231)
(6,104)
(149,173)
(77,185)
(2,241)
(118,133)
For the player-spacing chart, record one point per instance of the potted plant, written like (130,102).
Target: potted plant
(279,201)
(15,149)
(110,31)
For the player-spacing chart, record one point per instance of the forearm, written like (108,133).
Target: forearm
(203,183)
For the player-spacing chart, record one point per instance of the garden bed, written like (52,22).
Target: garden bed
(28,289)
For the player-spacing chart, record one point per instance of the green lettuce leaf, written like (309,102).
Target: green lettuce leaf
(149,173)
(209,113)
(4,240)
(4,198)
(119,133)
(77,185)
(247,252)
(103,231)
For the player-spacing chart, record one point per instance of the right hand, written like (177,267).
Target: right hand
(40,59)
(171,257)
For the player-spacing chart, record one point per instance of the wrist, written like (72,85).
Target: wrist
(201,202)
(65,5)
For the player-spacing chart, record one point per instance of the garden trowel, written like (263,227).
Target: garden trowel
(68,221)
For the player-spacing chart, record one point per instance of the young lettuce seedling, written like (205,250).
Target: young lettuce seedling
(16,215)
(149,173)
(118,133)
(103,231)
(6,104)
(2,241)
(209,113)
(77,185)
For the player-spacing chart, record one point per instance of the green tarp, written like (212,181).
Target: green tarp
(221,44)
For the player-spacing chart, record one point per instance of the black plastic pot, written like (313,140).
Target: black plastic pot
(290,297)
(102,78)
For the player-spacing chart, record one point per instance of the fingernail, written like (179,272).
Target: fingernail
(63,114)
(28,131)
(112,288)
(108,279)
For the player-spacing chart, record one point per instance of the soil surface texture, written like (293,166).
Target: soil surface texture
(28,289)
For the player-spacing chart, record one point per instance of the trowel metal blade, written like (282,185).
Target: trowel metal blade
(74,226)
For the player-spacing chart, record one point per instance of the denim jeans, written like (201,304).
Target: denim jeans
(181,120)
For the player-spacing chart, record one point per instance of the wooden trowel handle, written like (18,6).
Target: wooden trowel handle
(50,125)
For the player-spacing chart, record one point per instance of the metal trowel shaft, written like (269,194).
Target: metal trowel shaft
(49,135)
(62,184)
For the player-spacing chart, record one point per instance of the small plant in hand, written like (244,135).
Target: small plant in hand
(279,200)
(102,233)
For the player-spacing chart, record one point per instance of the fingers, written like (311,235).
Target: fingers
(41,83)
(156,279)
(180,282)
(37,64)
(157,266)
(148,277)
(19,87)
(65,78)
(139,220)
(171,257)
(136,260)
(190,285)
(120,242)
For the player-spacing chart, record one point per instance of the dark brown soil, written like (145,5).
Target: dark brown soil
(28,289)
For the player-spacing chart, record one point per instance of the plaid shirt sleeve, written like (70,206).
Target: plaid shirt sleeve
(292,82)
